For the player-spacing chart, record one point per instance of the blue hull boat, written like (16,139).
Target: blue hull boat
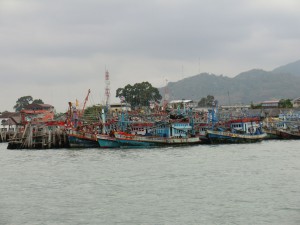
(105,141)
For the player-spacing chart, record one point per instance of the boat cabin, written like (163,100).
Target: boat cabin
(141,128)
(245,126)
(177,130)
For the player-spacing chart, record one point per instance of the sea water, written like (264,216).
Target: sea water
(204,184)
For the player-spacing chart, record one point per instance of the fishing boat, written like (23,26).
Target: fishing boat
(80,134)
(245,130)
(141,128)
(129,140)
(202,132)
(81,139)
(272,134)
(272,126)
(107,141)
(162,134)
(289,134)
(106,138)
(283,129)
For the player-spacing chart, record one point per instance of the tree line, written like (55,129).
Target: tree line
(141,95)
(26,100)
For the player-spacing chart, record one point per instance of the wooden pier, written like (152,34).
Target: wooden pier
(6,135)
(39,136)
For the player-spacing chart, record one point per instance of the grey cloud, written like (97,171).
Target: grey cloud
(47,42)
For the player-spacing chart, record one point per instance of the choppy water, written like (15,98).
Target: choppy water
(221,184)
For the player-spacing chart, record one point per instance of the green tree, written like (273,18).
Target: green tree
(4,112)
(140,94)
(255,106)
(37,101)
(206,102)
(285,103)
(22,102)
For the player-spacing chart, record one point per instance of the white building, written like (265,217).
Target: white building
(174,104)
(270,104)
(296,102)
(119,107)
(9,122)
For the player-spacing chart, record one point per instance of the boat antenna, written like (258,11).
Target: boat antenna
(107,88)
(166,96)
(228,98)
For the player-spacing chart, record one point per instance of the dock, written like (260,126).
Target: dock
(6,135)
(39,136)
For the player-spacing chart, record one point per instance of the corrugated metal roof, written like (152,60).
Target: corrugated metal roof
(180,101)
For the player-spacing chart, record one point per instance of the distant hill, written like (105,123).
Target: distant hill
(292,68)
(252,86)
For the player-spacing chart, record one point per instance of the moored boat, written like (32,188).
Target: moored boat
(289,134)
(272,134)
(129,140)
(272,126)
(246,130)
(177,132)
(202,132)
(107,141)
(222,137)
(285,129)
(80,139)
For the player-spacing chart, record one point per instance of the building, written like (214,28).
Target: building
(296,102)
(37,113)
(9,121)
(119,107)
(35,107)
(270,104)
(175,104)
(234,107)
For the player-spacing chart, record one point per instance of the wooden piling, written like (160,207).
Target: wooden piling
(39,136)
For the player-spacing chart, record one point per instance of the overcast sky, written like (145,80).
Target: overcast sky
(55,50)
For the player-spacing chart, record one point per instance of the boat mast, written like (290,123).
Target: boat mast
(85,101)
(107,88)
(166,96)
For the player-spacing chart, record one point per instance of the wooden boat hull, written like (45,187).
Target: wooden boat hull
(82,140)
(106,141)
(288,135)
(154,141)
(220,137)
(272,134)
(79,142)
